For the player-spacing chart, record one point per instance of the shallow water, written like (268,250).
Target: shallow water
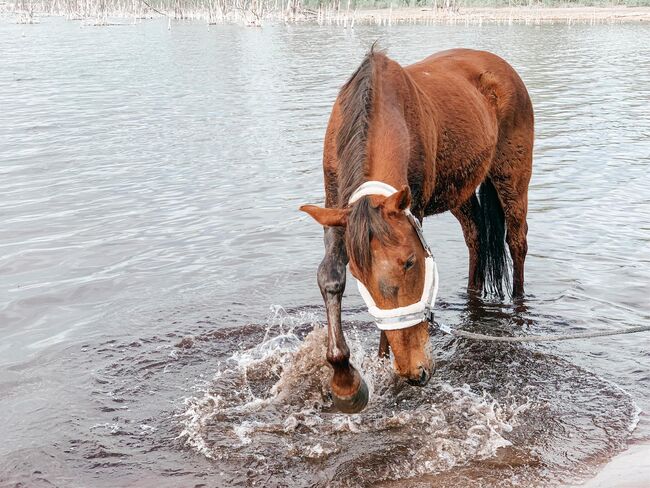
(160,324)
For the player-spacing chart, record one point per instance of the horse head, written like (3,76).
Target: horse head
(390,260)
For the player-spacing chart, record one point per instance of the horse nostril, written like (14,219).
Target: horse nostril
(424,377)
(422,380)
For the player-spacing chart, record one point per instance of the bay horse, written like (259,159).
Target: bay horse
(452,132)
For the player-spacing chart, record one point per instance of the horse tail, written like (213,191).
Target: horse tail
(493,260)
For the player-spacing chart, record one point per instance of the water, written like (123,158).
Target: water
(160,323)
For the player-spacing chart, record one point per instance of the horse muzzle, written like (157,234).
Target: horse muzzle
(421,377)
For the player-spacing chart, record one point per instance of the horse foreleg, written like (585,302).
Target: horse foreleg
(384,347)
(349,391)
(465,214)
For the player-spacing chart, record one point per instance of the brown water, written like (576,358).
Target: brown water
(160,323)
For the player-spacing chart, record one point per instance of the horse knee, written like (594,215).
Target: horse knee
(331,277)
(332,286)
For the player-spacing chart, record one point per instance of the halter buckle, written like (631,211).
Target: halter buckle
(429,315)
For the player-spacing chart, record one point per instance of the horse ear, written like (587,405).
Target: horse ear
(398,202)
(328,217)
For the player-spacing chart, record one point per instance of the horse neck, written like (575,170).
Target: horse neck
(401,142)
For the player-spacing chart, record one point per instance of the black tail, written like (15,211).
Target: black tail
(493,259)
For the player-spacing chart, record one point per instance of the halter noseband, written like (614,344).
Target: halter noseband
(420,311)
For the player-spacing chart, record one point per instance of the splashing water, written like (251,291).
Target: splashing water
(270,405)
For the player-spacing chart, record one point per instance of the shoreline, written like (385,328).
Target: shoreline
(629,469)
(501,15)
(347,18)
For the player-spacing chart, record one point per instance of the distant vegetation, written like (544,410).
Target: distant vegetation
(254,11)
(481,3)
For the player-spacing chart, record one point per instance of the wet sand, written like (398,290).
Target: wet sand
(630,469)
(528,15)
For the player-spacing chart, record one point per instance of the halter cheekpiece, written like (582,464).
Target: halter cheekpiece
(420,311)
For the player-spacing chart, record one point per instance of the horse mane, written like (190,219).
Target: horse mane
(355,99)
(364,221)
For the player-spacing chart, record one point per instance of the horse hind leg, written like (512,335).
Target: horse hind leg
(466,216)
(510,174)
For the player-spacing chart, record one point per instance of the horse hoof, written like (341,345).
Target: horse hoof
(353,403)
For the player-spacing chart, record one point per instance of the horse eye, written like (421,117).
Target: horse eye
(409,263)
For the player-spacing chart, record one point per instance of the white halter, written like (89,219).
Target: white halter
(420,311)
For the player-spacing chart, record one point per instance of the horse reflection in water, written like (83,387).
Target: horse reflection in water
(436,131)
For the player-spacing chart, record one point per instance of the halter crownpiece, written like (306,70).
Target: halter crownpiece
(420,311)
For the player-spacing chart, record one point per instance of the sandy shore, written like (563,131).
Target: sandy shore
(478,15)
(630,469)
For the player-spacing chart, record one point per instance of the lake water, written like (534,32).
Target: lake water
(160,322)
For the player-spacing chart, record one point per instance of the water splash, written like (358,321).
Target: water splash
(270,404)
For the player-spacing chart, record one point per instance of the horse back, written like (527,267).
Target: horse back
(472,76)
(477,98)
